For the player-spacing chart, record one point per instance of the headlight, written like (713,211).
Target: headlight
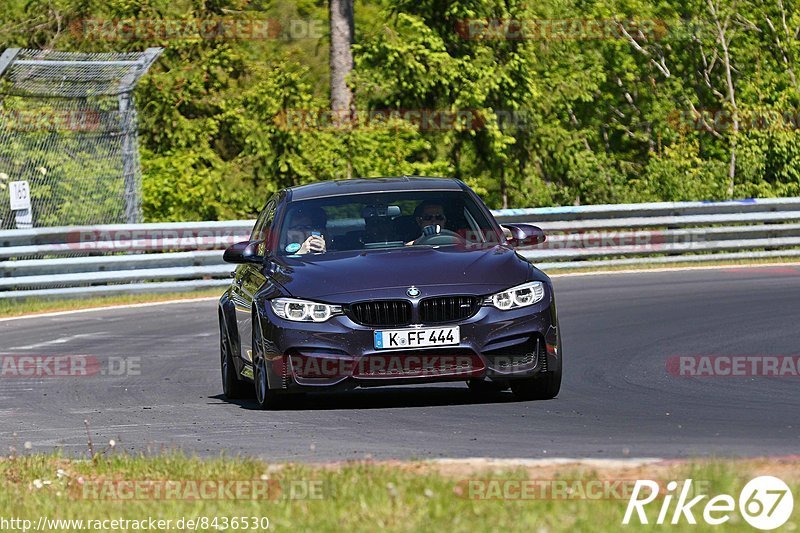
(303,310)
(516,297)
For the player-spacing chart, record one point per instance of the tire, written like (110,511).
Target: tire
(542,387)
(266,398)
(232,387)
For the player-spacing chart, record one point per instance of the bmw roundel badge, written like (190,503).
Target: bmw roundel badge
(413,292)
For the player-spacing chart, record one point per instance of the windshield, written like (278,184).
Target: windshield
(383,220)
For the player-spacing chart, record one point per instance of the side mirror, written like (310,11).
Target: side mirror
(524,234)
(243,252)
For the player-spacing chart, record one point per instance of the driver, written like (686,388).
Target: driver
(305,233)
(430,218)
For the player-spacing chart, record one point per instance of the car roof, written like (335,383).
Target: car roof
(372,185)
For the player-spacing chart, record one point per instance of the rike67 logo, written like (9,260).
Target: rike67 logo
(765,503)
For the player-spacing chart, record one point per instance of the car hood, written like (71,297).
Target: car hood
(346,276)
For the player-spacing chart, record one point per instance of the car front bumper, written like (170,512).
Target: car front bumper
(339,353)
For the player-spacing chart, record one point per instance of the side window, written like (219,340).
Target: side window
(258,225)
(264,221)
(264,224)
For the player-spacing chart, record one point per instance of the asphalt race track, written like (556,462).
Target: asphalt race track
(617,400)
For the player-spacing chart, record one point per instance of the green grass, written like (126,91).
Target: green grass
(352,496)
(44,305)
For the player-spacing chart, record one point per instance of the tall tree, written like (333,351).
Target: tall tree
(342,30)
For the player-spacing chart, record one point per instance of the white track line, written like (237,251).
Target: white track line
(62,340)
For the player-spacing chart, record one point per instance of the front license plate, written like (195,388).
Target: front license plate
(416,338)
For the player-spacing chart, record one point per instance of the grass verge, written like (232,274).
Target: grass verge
(589,268)
(363,496)
(47,305)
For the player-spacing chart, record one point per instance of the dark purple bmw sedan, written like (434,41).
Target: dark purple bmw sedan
(386,281)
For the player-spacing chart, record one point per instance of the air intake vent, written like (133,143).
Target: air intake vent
(448,308)
(381,313)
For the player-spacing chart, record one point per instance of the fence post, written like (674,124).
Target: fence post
(129,159)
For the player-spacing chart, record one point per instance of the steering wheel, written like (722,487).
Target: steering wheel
(444,237)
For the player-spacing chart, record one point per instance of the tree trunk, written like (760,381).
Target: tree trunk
(735,116)
(342,30)
(724,41)
(503,187)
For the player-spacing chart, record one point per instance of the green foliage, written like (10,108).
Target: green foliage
(181,186)
(555,119)
(674,176)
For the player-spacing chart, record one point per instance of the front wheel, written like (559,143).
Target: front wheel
(232,387)
(542,387)
(266,398)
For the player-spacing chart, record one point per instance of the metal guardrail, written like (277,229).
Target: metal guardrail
(158,257)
